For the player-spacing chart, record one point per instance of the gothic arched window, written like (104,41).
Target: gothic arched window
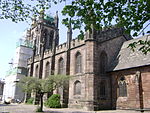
(78,63)
(46,38)
(61,66)
(102,89)
(103,63)
(77,88)
(51,38)
(45,33)
(122,87)
(47,69)
(36,71)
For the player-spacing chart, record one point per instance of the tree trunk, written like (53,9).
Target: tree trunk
(25,97)
(41,101)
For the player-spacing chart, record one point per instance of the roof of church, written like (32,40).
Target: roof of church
(49,18)
(129,59)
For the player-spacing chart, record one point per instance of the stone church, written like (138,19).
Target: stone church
(105,73)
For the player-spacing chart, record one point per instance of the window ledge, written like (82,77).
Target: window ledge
(77,96)
(78,74)
(122,98)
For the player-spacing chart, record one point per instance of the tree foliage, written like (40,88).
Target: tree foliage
(133,15)
(33,84)
(30,100)
(41,86)
(144,46)
(53,101)
(129,14)
(21,10)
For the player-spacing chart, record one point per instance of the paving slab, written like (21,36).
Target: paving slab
(23,108)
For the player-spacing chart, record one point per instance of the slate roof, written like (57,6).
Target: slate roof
(128,59)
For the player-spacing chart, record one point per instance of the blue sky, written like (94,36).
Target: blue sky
(10,33)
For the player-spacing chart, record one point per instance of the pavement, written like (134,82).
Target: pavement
(24,108)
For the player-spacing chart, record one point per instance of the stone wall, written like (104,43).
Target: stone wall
(137,95)
(90,78)
(74,100)
(111,48)
(110,33)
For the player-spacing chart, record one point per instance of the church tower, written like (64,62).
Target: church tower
(44,32)
(44,37)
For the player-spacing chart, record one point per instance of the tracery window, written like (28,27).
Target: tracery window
(103,63)
(77,88)
(51,38)
(122,87)
(78,63)
(37,71)
(47,69)
(61,66)
(102,89)
(46,38)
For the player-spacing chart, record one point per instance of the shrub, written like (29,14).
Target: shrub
(30,100)
(38,109)
(53,101)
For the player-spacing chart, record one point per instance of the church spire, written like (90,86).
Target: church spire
(69,34)
(41,17)
(70,26)
(56,19)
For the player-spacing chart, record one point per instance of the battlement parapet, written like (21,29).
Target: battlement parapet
(36,58)
(61,47)
(47,53)
(76,42)
(29,60)
(109,33)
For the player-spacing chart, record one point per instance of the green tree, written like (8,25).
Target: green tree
(129,14)
(21,10)
(53,101)
(42,86)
